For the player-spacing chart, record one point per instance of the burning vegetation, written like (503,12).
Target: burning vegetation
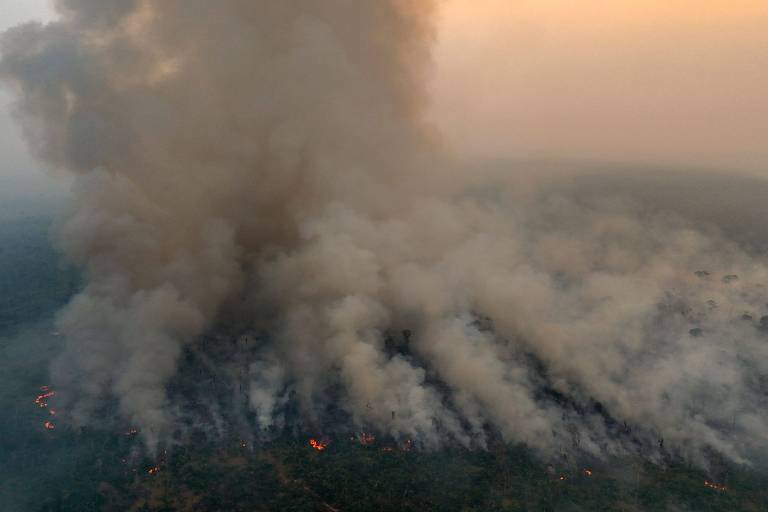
(319,445)
(367,439)
(715,486)
(41,400)
(505,473)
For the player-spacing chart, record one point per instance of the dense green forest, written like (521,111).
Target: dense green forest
(289,474)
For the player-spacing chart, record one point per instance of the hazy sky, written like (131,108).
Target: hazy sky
(656,80)
(665,81)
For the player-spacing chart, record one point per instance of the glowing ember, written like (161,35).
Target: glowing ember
(587,472)
(366,439)
(153,471)
(318,445)
(562,478)
(42,399)
(713,485)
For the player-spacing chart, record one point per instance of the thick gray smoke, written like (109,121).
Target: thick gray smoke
(267,164)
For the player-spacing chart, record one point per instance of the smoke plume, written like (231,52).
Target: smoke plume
(266,165)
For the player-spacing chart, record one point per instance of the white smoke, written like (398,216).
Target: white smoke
(268,162)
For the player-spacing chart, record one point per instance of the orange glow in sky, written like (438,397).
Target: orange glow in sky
(602,11)
(668,81)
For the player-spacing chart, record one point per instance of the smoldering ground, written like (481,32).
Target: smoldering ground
(266,168)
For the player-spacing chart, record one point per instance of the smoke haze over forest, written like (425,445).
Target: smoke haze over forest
(276,168)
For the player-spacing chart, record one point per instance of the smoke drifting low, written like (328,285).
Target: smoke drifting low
(267,165)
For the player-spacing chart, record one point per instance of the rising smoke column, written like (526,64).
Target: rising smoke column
(202,134)
(269,161)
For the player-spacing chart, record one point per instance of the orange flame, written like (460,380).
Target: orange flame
(42,399)
(49,425)
(153,471)
(318,445)
(713,485)
(366,439)
(587,472)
